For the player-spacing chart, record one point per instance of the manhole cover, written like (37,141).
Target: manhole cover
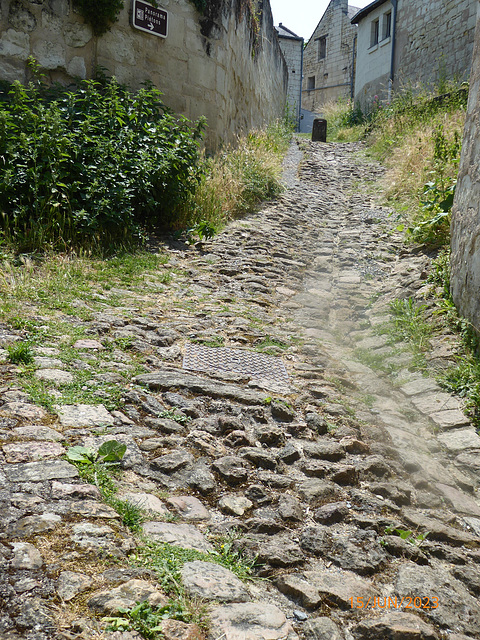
(200,358)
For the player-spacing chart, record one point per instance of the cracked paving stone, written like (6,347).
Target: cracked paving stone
(209,581)
(180,535)
(250,621)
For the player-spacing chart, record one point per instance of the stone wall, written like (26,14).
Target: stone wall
(434,41)
(332,73)
(292,49)
(224,65)
(465,260)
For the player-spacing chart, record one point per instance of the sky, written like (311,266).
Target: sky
(302,16)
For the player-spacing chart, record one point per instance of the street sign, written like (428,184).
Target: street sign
(150,19)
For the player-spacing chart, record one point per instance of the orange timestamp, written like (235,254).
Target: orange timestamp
(405,602)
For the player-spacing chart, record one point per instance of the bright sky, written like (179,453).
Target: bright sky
(302,16)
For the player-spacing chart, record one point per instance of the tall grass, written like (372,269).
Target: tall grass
(236,180)
(418,137)
(345,121)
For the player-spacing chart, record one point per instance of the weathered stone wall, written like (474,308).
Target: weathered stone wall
(465,261)
(292,49)
(434,41)
(215,65)
(332,73)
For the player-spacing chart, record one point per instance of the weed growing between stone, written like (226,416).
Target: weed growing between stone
(147,620)
(167,560)
(20,353)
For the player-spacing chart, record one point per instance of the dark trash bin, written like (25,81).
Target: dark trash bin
(319,130)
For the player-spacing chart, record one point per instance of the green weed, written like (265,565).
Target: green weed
(132,515)
(97,467)
(407,535)
(171,414)
(20,353)
(408,323)
(147,620)
(270,345)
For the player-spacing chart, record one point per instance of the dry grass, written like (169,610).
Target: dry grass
(240,177)
(411,161)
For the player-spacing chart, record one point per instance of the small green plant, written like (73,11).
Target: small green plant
(20,353)
(96,466)
(132,515)
(211,341)
(408,323)
(407,535)
(147,620)
(270,345)
(204,230)
(171,414)
(110,451)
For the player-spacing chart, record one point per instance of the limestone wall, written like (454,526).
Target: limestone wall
(220,65)
(465,261)
(434,41)
(292,49)
(331,69)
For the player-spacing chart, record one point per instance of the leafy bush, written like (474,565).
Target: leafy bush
(92,166)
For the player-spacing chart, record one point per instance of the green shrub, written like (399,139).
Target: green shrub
(92,166)
(99,13)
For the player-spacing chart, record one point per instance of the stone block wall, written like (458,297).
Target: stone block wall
(465,243)
(434,41)
(292,49)
(333,73)
(222,65)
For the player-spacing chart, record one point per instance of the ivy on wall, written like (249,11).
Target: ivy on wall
(99,13)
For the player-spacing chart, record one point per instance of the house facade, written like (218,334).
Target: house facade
(328,59)
(412,43)
(292,49)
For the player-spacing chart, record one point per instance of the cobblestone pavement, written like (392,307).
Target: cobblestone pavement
(291,422)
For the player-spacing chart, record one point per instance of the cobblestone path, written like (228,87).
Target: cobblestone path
(317,449)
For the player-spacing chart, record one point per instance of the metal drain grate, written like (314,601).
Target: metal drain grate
(200,358)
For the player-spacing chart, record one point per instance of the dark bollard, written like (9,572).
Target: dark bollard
(319,130)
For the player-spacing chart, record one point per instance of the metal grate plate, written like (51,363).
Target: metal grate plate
(258,365)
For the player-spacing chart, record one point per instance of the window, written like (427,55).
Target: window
(322,48)
(387,25)
(311,83)
(374,32)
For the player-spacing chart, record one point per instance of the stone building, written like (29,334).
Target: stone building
(292,49)
(225,64)
(412,43)
(328,60)
(465,243)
